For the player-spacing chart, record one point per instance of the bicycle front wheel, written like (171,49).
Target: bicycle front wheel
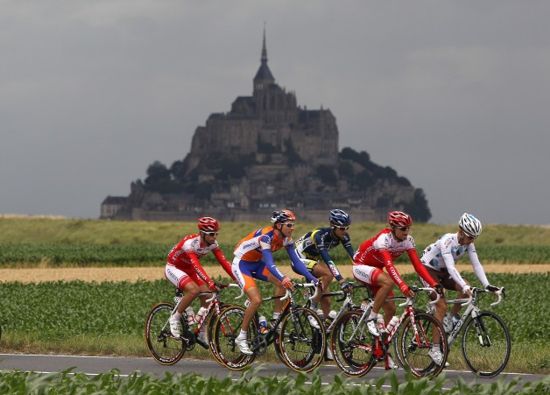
(301,341)
(165,348)
(417,344)
(225,330)
(353,345)
(486,344)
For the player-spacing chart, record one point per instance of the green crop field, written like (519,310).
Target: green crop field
(70,242)
(109,318)
(250,383)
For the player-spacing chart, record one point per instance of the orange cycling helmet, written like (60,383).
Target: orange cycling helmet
(208,224)
(399,219)
(282,216)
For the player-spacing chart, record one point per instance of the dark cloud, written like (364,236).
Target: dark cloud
(453,95)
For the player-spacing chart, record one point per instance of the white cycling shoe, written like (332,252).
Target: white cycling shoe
(175,326)
(436,356)
(242,343)
(371,326)
(313,322)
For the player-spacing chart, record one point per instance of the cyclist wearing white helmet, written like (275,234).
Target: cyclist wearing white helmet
(440,258)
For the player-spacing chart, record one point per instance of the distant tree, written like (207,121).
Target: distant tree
(327,174)
(158,177)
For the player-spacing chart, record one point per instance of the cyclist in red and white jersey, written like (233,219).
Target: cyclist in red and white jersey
(184,270)
(440,257)
(253,260)
(378,253)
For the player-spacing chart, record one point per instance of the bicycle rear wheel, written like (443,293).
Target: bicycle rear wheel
(415,342)
(225,330)
(486,344)
(165,348)
(301,346)
(353,345)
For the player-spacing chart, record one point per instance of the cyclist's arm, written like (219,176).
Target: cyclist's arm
(420,268)
(267,257)
(299,265)
(198,268)
(478,268)
(346,243)
(392,270)
(223,262)
(323,251)
(451,268)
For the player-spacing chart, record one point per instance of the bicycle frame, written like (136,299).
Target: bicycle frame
(262,341)
(471,311)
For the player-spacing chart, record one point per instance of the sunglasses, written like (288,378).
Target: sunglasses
(289,225)
(403,228)
(342,227)
(210,233)
(468,236)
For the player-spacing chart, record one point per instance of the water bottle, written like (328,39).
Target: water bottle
(365,305)
(177,299)
(190,315)
(200,314)
(393,322)
(262,325)
(380,323)
(332,315)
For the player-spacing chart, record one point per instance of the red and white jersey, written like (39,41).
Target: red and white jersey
(382,249)
(370,251)
(189,251)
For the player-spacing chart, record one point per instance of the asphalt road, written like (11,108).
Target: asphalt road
(127,365)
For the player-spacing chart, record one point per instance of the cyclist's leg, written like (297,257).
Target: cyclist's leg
(245,272)
(184,282)
(323,273)
(441,305)
(279,290)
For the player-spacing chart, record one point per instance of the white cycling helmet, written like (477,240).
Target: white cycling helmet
(470,225)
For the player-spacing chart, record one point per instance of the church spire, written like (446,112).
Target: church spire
(264,50)
(264,74)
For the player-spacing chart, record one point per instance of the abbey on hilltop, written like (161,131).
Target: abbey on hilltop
(267,152)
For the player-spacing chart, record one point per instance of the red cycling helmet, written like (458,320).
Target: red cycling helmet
(399,219)
(208,224)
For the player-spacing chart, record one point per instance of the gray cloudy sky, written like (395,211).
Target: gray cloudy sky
(452,94)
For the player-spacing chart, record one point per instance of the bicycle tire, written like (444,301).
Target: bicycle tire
(225,330)
(491,357)
(300,345)
(165,348)
(413,350)
(353,356)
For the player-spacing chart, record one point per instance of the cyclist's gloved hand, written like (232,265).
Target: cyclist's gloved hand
(439,289)
(467,290)
(212,286)
(287,283)
(346,286)
(406,290)
(492,288)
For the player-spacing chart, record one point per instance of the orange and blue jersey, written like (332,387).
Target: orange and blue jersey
(253,254)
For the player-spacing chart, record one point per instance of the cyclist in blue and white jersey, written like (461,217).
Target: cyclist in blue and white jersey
(440,257)
(313,249)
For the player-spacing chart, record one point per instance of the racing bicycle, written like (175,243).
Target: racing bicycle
(167,349)
(485,340)
(356,350)
(297,335)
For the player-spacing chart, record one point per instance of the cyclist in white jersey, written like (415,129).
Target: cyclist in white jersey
(440,258)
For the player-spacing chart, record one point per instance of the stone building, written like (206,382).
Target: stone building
(268,152)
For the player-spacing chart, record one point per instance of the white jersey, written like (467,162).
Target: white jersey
(443,254)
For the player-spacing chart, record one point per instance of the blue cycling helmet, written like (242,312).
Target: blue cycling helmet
(339,217)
